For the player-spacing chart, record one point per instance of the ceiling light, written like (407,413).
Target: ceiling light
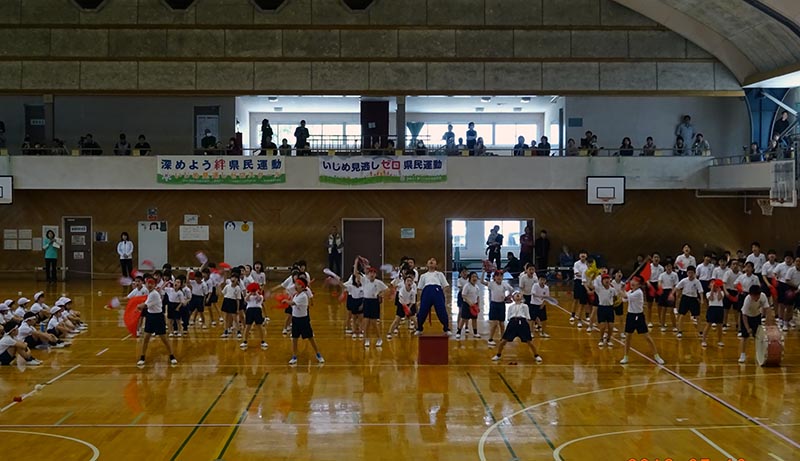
(479,109)
(278,109)
(486,99)
(525,100)
(273,98)
(518,109)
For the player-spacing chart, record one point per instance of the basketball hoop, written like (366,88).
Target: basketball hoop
(766,206)
(608,206)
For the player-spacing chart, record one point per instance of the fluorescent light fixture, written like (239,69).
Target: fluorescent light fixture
(278,109)
(272,98)
(486,99)
(525,100)
(518,109)
(479,109)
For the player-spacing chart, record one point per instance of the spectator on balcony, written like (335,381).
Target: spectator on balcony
(233,147)
(649,148)
(89,146)
(520,147)
(268,147)
(143,146)
(626,149)
(420,148)
(680,147)
(472,137)
(27,146)
(700,146)
(285,149)
(480,148)
(301,136)
(59,148)
(685,129)
(754,153)
(782,124)
(460,147)
(776,150)
(122,147)
(449,139)
(543,149)
(391,148)
(594,147)
(586,142)
(572,148)
(266,132)
(209,142)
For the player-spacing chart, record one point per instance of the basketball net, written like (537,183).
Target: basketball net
(766,206)
(608,207)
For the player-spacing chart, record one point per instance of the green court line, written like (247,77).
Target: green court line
(242,417)
(203,418)
(136,419)
(491,415)
(58,423)
(527,413)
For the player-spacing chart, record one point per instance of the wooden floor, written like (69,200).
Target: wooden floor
(223,403)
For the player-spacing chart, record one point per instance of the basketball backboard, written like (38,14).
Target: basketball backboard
(605,190)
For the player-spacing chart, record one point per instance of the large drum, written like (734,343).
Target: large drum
(769,346)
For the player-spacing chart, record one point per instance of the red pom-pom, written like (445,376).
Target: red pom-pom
(406,310)
(224,265)
(253,287)
(148,265)
(474,309)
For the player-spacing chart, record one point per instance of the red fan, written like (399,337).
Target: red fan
(283,301)
(253,287)
(132,313)
(224,265)
(592,296)
(732,298)
(660,291)
(343,296)
(406,310)
(739,288)
(679,263)
(147,265)
(718,283)
(773,288)
(474,309)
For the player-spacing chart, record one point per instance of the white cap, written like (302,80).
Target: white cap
(23,300)
(36,308)
(3,307)
(8,302)
(55,309)
(38,295)
(64,301)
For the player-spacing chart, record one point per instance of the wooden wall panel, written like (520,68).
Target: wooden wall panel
(290,225)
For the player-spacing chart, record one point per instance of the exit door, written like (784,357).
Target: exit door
(362,237)
(78,247)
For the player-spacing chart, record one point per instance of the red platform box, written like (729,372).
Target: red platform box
(433,350)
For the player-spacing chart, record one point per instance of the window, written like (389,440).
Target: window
(510,230)
(459,230)
(507,134)
(555,134)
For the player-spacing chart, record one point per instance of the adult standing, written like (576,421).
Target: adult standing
(685,129)
(125,252)
(50,245)
(526,246)
(493,245)
(542,248)
(335,245)
(266,133)
(301,136)
(472,138)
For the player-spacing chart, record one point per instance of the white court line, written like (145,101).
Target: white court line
(123,339)
(710,442)
(63,374)
(280,423)
(507,419)
(95,451)
(775,457)
(100,353)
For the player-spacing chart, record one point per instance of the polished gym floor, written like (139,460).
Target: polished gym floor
(222,403)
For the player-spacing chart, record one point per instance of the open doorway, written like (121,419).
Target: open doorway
(466,241)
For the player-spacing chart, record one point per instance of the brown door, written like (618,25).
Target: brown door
(362,237)
(78,247)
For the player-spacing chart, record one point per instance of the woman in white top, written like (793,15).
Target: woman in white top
(431,286)
(125,252)
(635,321)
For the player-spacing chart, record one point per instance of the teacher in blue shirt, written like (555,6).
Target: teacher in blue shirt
(50,245)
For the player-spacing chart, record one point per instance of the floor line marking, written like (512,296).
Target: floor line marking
(714,397)
(527,413)
(123,339)
(494,420)
(710,442)
(136,419)
(95,451)
(100,353)
(775,457)
(203,418)
(63,374)
(64,418)
(242,417)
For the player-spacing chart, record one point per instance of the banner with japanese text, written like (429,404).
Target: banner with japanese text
(220,170)
(386,169)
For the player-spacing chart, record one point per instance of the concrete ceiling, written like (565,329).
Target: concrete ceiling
(750,42)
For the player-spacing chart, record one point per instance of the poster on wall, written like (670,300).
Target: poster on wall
(199,233)
(220,170)
(55,230)
(238,242)
(152,242)
(382,169)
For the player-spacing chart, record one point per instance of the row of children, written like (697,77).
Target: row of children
(39,326)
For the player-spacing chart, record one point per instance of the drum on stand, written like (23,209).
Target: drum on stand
(769,346)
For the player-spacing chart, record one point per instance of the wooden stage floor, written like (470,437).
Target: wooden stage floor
(221,403)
